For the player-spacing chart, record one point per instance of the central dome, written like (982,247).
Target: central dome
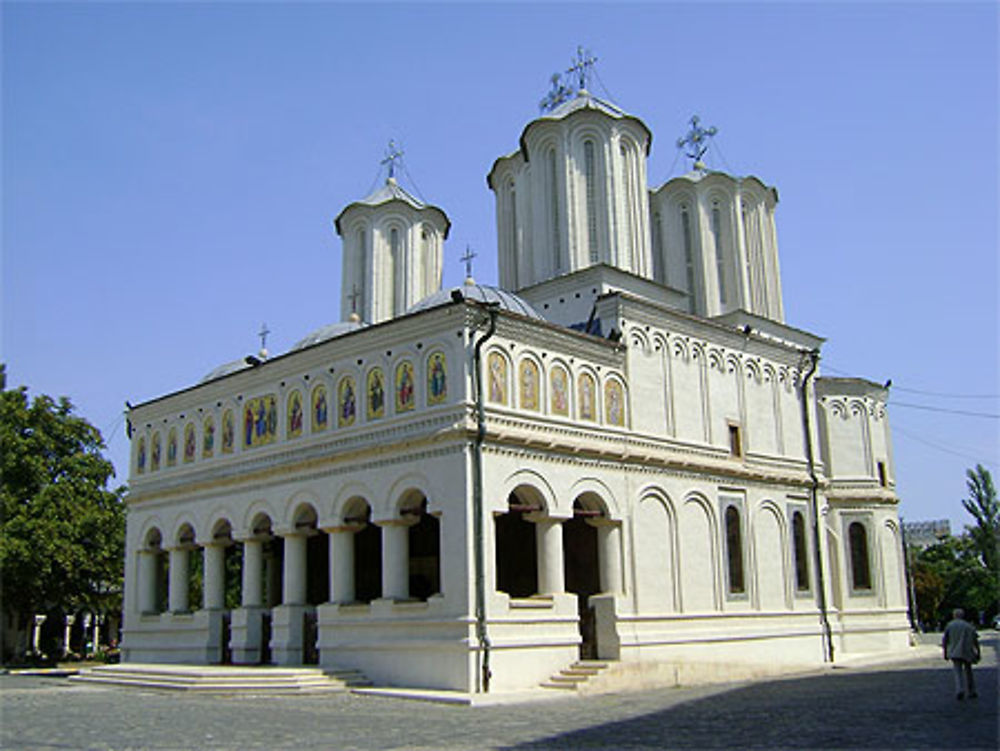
(478,293)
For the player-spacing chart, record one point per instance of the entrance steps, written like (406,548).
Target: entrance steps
(225,678)
(576,676)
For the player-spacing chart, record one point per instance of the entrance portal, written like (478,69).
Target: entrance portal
(582,571)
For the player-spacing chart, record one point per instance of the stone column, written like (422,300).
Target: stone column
(341,563)
(70,620)
(548,533)
(293,589)
(178,592)
(214,589)
(609,554)
(147,581)
(36,637)
(395,559)
(253,558)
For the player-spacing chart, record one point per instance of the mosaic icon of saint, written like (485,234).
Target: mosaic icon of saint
(319,408)
(154,459)
(498,378)
(228,432)
(172,448)
(560,401)
(586,397)
(376,394)
(140,456)
(529,385)
(347,402)
(272,416)
(437,380)
(295,415)
(208,437)
(404,386)
(189,443)
(614,399)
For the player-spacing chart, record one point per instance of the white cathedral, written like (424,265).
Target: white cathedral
(623,452)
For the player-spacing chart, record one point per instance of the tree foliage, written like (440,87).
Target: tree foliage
(984,507)
(963,572)
(62,530)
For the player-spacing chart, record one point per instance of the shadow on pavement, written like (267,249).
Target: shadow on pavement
(898,708)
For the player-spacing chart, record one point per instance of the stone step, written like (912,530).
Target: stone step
(576,675)
(225,679)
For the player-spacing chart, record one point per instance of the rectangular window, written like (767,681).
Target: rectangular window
(881,475)
(735,441)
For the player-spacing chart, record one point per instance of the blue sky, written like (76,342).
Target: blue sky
(170,175)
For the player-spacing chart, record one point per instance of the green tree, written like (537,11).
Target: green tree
(62,531)
(984,507)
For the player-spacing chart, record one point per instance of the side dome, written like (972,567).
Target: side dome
(225,369)
(478,293)
(330,331)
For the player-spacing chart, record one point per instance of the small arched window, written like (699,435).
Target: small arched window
(358,302)
(658,265)
(512,230)
(857,537)
(590,179)
(720,263)
(734,550)
(799,546)
(554,210)
(688,256)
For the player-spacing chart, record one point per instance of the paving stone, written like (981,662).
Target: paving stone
(902,705)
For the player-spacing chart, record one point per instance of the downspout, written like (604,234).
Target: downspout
(477,503)
(814,493)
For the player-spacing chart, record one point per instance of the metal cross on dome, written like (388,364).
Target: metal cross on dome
(264,331)
(581,67)
(393,154)
(467,258)
(353,297)
(696,141)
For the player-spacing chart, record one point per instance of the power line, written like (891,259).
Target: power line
(945,395)
(941,447)
(967,413)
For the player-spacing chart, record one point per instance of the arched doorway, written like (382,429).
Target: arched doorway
(582,567)
(516,548)
(367,551)
(424,548)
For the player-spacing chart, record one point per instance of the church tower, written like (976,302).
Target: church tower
(393,247)
(574,194)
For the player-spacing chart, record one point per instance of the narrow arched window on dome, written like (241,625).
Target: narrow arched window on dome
(426,261)
(720,263)
(512,232)
(688,256)
(590,179)
(626,253)
(359,302)
(658,265)
(397,287)
(554,210)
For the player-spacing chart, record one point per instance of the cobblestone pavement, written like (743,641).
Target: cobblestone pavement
(901,705)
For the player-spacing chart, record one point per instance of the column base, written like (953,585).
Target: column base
(248,640)
(288,634)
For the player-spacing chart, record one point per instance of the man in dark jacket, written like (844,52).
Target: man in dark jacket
(960,644)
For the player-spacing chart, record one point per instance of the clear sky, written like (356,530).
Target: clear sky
(171,172)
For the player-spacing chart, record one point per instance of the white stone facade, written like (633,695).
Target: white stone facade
(659,474)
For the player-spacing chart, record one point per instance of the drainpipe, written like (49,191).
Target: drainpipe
(813,356)
(477,502)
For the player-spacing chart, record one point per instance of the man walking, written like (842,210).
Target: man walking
(960,644)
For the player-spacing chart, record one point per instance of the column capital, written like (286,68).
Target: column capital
(339,528)
(294,531)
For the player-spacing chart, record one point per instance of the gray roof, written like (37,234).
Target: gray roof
(225,369)
(478,293)
(330,331)
(393,191)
